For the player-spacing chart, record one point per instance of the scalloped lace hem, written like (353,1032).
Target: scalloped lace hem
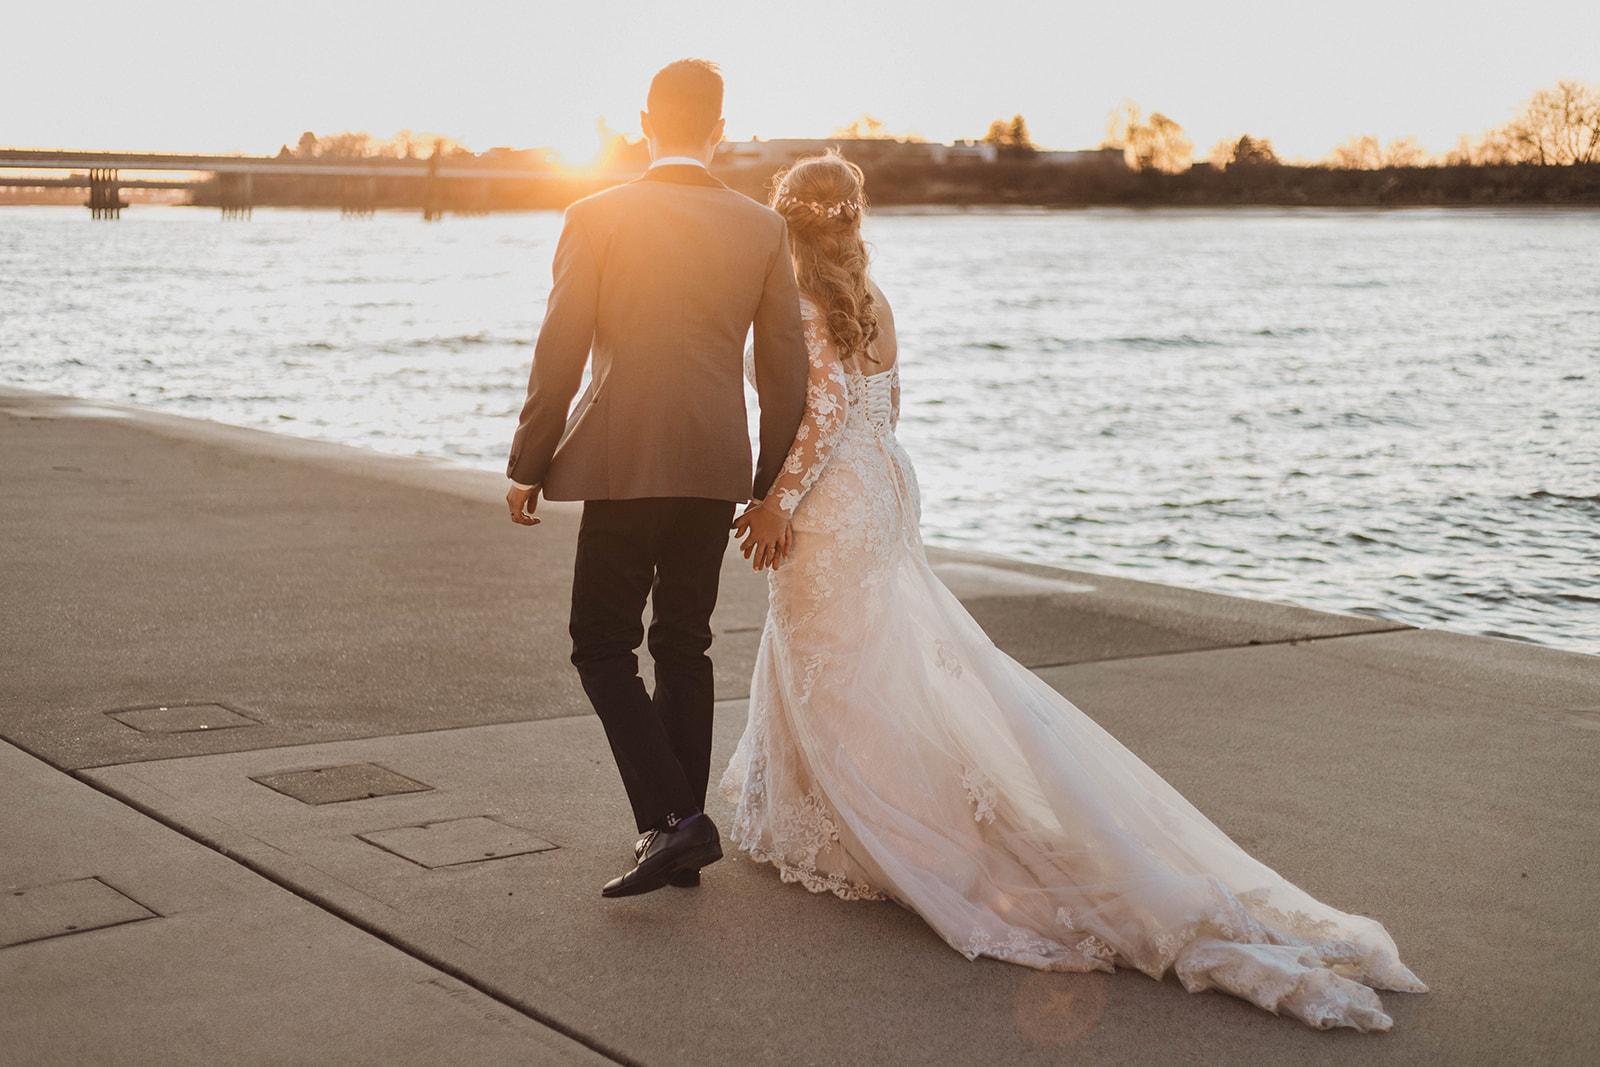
(814,880)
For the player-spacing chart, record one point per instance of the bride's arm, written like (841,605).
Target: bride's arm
(888,344)
(826,403)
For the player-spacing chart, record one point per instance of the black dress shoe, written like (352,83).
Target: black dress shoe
(678,879)
(681,847)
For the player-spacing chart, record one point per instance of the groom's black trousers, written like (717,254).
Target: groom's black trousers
(668,549)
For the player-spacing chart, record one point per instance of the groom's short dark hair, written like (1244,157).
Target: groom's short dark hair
(685,101)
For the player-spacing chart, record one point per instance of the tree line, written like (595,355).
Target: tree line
(1557,126)
(1548,153)
(349,144)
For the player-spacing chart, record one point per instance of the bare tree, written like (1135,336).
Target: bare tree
(361,145)
(1492,147)
(1404,152)
(1464,154)
(1170,149)
(1556,127)
(1253,152)
(1157,144)
(408,145)
(1221,153)
(1011,138)
(871,128)
(865,128)
(1365,153)
(1121,122)
(1020,137)
(1357,153)
(346,145)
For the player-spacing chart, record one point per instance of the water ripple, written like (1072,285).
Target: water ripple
(1384,413)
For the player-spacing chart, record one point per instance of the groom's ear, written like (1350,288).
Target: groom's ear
(716,132)
(644,125)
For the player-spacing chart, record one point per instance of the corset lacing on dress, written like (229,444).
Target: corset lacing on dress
(874,395)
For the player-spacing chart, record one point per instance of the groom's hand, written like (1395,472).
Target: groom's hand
(523,502)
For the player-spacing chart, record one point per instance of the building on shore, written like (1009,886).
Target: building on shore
(1115,158)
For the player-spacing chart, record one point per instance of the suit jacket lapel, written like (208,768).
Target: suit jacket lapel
(681,174)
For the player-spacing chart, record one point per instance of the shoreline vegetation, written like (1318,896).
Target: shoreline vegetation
(1548,155)
(1025,185)
(899,179)
(956,185)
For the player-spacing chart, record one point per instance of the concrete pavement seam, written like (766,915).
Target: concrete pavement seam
(332,908)
(307,743)
(1310,639)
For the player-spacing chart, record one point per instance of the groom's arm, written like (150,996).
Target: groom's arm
(780,365)
(565,338)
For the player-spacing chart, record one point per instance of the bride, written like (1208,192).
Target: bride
(893,752)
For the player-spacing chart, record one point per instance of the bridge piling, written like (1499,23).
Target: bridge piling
(358,197)
(234,194)
(432,191)
(105,195)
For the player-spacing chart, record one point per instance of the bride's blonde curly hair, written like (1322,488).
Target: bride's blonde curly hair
(823,198)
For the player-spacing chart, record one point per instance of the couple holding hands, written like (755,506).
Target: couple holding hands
(891,752)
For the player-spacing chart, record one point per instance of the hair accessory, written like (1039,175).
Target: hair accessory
(818,208)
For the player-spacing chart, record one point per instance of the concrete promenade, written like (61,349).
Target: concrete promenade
(295,771)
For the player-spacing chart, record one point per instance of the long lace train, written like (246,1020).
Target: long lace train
(892,751)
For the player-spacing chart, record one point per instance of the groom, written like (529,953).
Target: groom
(661,280)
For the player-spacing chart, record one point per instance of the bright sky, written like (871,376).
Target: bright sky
(186,75)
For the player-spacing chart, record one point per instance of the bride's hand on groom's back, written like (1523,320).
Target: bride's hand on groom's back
(767,535)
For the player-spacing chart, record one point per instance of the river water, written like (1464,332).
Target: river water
(1390,413)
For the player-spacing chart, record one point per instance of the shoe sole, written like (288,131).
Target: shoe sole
(703,856)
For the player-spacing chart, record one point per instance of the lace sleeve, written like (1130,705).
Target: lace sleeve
(827,403)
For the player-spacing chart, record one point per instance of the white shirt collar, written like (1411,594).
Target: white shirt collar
(678,161)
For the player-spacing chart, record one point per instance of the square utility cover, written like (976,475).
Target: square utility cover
(334,785)
(445,844)
(181,718)
(37,912)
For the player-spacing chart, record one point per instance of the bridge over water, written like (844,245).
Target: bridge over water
(453,182)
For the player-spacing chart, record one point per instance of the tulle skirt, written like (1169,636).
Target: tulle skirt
(892,751)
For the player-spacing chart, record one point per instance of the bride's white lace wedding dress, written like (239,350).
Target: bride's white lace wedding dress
(893,751)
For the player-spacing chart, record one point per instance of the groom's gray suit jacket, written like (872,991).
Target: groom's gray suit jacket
(662,280)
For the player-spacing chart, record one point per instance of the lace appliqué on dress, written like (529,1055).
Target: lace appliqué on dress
(949,662)
(799,832)
(893,751)
(827,403)
(981,792)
